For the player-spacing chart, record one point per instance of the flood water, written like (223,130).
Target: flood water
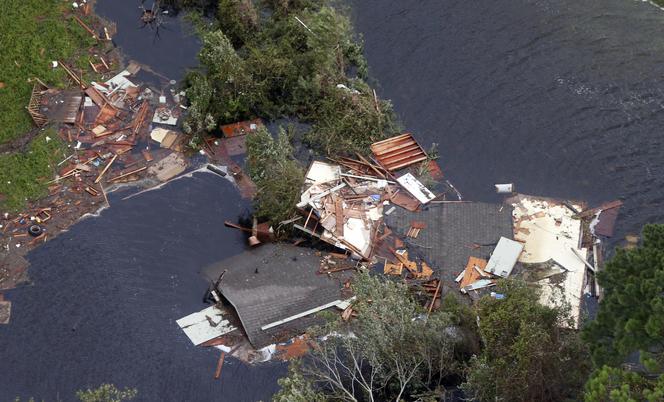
(169,49)
(564,98)
(106,295)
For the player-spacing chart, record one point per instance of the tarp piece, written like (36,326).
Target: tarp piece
(205,325)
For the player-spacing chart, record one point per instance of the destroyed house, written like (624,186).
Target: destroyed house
(272,287)
(453,232)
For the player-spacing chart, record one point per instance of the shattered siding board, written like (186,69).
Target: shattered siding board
(470,273)
(204,325)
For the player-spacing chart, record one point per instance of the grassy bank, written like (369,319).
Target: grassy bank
(23,176)
(32,34)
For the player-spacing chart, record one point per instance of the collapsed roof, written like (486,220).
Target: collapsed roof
(552,236)
(454,231)
(271,283)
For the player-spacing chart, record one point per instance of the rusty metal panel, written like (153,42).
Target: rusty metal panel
(241,128)
(398,152)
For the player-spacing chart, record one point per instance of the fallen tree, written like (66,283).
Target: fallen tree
(392,351)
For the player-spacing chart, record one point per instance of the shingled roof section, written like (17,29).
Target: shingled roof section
(270,283)
(454,231)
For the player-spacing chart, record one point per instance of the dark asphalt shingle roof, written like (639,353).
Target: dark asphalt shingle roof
(286,284)
(452,229)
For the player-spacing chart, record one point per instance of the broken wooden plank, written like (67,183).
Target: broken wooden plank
(339,216)
(86,27)
(123,175)
(433,300)
(98,179)
(220,364)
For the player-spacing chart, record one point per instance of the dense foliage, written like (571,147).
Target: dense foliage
(631,315)
(278,177)
(630,319)
(527,354)
(287,59)
(392,351)
(610,384)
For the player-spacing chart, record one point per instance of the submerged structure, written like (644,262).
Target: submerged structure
(380,215)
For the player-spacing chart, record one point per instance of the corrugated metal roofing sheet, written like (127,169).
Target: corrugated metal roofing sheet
(398,152)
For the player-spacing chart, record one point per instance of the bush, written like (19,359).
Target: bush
(288,64)
(527,355)
(393,350)
(107,393)
(610,384)
(631,315)
(278,177)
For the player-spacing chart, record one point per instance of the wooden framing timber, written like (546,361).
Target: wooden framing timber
(35,102)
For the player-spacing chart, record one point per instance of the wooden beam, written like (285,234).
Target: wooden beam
(220,364)
(98,179)
(128,174)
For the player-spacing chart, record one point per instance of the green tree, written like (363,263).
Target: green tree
(107,393)
(296,388)
(392,351)
(277,175)
(231,83)
(238,19)
(631,315)
(611,384)
(528,355)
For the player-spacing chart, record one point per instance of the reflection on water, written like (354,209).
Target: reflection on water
(106,294)
(168,49)
(564,98)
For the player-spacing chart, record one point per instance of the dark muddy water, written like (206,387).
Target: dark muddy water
(168,49)
(564,98)
(107,293)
